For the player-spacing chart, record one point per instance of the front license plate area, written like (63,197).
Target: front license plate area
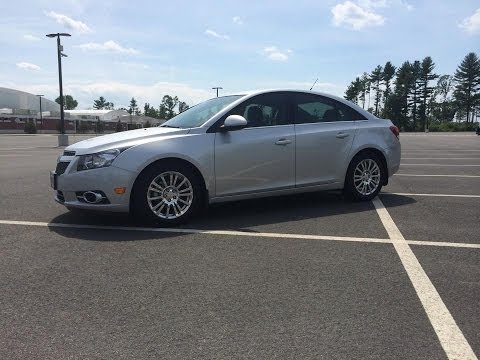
(53,180)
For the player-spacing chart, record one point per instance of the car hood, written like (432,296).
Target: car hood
(124,139)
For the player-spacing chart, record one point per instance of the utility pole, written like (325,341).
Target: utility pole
(62,138)
(216,88)
(41,114)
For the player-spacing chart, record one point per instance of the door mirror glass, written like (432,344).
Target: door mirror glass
(234,122)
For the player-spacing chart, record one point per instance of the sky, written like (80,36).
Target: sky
(147,49)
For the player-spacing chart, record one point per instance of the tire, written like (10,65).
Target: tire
(167,194)
(365,177)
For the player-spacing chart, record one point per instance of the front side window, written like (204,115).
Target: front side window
(264,110)
(310,108)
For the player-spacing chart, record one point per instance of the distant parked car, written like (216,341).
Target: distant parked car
(478,130)
(233,147)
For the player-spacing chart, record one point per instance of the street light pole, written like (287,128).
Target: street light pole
(62,138)
(41,114)
(216,88)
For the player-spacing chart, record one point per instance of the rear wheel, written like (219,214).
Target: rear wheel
(167,194)
(364,178)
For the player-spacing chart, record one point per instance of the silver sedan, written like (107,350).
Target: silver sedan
(228,148)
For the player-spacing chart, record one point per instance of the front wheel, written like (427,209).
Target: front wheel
(167,194)
(364,177)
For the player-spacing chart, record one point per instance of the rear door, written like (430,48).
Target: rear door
(260,157)
(325,130)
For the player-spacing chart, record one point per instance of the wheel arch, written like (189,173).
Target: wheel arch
(379,154)
(169,160)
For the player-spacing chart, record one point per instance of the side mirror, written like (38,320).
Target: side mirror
(233,122)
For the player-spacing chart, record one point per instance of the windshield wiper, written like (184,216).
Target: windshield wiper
(170,126)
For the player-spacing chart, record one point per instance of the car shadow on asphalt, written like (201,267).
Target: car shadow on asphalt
(246,215)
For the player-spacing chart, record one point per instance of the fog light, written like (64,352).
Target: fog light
(120,190)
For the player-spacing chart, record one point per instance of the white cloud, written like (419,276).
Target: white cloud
(131,65)
(110,45)
(27,66)
(237,20)
(69,23)
(119,93)
(372,3)
(355,17)
(471,24)
(272,53)
(31,37)
(216,35)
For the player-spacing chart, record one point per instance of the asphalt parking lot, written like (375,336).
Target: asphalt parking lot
(302,277)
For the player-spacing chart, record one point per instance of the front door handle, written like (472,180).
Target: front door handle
(342,135)
(283,142)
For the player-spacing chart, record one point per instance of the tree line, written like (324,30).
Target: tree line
(168,108)
(409,96)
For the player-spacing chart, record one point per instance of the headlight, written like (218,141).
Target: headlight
(98,160)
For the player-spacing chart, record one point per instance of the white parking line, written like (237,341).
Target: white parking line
(440,158)
(15,155)
(235,233)
(432,195)
(440,150)
(437,175)
(451,337)
(440,164)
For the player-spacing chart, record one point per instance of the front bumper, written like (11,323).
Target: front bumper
(72,182)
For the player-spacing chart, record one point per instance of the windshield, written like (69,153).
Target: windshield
(199,114)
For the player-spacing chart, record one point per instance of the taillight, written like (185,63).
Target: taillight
(395,131)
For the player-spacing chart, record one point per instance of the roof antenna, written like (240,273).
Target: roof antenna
(313,84)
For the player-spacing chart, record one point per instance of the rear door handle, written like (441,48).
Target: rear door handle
(342,135)
(283,142)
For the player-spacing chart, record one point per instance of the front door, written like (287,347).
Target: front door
(260,157)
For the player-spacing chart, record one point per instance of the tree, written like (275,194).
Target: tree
(353,91)
(102,104)
(388,73)
(397,104)
(467,90)
(182,106)
(426,75)
(167,107)
(149,111)
(415,91)
(68,102)
(443,107)
(364,88)
(376,78)
(133,108)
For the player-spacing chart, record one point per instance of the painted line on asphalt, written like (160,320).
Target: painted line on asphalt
(15,155)
(437,175)
(440,150)
(451,337)
(441,158)
(30,148)
(234,233)
(439,164)
(197,231)
(432,195)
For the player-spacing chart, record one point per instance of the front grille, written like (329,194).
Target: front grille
(69,153)
(61,167)
(60,196)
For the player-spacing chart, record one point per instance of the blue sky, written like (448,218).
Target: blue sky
(147,49)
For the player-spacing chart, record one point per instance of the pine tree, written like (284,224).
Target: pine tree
(388,73)
(467,90)
(426,75)
(376,79)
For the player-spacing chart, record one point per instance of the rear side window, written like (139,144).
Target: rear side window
(310,108)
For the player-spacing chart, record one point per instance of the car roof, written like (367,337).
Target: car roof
(362,111)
